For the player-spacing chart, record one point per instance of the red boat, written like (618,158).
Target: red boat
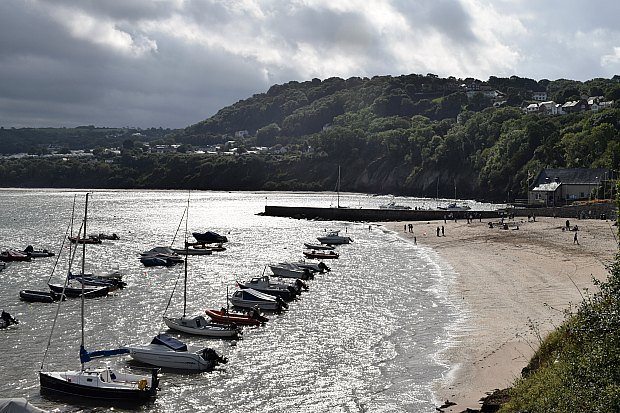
(321,254)
(13,255)
(252,318)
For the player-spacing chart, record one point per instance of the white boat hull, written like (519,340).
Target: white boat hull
(189,325)
(292,272)
(164,357)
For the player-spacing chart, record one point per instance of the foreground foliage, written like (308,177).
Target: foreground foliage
(576,367)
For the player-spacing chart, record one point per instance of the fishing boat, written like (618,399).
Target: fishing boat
(97,385)
(334,238)
(197,324)
(167,352)
(33,296)
(252,318)
(7,320)
(250,298)
(13,255)
(323,255)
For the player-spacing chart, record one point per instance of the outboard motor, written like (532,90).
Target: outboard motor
(301,285)
(324,267)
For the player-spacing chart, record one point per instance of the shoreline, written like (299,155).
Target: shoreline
(514,286)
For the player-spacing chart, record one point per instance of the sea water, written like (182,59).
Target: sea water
(367,337)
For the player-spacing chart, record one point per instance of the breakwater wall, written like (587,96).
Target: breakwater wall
(594,211)
(372,215)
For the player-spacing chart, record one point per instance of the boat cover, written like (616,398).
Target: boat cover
(169,342)
(17,405)
(86,356)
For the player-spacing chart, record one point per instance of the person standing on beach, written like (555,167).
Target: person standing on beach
(575,240)
(438,231)
(442,233)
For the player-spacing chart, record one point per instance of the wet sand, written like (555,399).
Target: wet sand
(514,286)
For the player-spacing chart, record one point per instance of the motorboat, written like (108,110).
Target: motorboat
(324,255)
(285,291)
(252,318)
(319,246)
(91,239)
(250,298)
(334,238)
(6,320)
(167,352)
(30,251)
(198,325)
(315,267)
(33,296)
(453,206)
(160,256)
(13,255)
(209,237)
(394,205)
(288,270)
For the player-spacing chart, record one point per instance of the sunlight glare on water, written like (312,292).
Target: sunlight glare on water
(364,338)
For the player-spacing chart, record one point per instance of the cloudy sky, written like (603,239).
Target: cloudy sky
(172,63)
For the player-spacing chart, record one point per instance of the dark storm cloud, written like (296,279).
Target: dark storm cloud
(175,62)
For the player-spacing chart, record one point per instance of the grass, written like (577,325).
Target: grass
(577,366)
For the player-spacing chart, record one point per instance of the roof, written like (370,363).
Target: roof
(550,187)
(569,176)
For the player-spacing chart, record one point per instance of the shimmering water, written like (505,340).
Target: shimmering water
(366,337)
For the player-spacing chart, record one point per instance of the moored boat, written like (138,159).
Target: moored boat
(324,255)
(252,318)
(334,238)
(209,237)
(250,298)
(33,296)
(30,251)
(7,320)
(91,239)
(167,352)
(13,255)
(198,325)
(318,246)
(288,270)
(263,284)
(76,292)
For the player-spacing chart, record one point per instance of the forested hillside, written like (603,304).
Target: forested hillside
(411,134)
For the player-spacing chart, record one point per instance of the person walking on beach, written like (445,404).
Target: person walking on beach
(437,231)
(405,228)
(575,240)
(442,233)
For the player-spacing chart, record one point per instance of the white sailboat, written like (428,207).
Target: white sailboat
(198,324)
(98,385)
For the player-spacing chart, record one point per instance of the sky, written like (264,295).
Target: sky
(173,63)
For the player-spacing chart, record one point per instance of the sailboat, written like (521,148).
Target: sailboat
(100,385)
(89,291)
(198,324)
(453,206)
(338,191)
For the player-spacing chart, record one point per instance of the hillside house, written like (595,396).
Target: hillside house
(575,106)
(539,96)
(555,187)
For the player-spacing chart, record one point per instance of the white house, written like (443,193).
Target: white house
(532,108)
(539,96)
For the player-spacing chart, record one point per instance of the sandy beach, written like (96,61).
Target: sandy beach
(514,285)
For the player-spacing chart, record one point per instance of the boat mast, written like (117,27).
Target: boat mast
(83,260)
(338,187)
(186,256)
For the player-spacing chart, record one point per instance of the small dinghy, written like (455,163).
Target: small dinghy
(75,292)
(321,255)
(13,255)
(31,252)
(33,296)
(319,247)
(252,318)
(92,239)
